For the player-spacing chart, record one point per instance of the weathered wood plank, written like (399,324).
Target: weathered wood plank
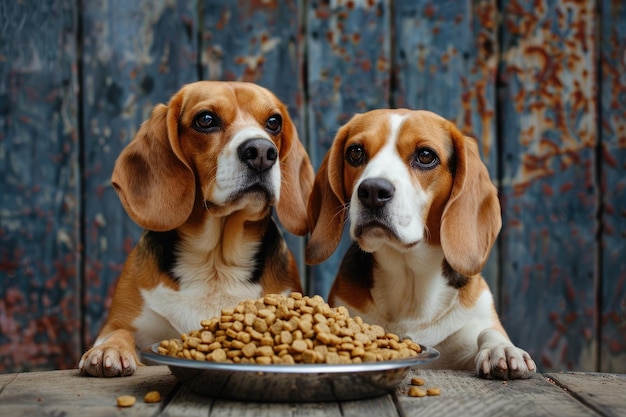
(446,61)
(550,201)
(244,41)
(6,379)
(135,55)
(40,186)
(603,393)
(251,409)
(349,63)
(383,406)
(463,394)
(67,393)
(613,162)
(187,403)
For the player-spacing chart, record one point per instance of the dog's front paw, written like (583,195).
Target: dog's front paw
(115,356)
(105,360)
(504,361)
(498,358)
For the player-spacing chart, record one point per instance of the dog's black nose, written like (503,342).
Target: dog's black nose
(259,154)
(375,192)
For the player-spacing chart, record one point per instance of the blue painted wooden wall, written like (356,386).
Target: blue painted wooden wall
(540,84)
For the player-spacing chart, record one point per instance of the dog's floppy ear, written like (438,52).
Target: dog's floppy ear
(296,181)
(326,208)
(471,219)
(152,178)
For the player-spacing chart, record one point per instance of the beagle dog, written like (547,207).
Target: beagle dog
(423,217)
(202,177)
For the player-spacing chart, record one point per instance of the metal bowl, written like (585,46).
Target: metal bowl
(289,383)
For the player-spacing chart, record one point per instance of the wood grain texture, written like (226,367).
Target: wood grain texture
(187,403)
(462,393)
(550,201)
(349,59)
(466,395)
(6,379)
(135,55)
(39,183)
(383,406)
(604,393)
(613,186)
(68,393)
(251,409)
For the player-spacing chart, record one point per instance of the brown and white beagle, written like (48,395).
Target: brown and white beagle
(202,176)
(423,217)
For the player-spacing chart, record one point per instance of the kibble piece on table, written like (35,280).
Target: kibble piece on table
(415,391)
(152,397)
(125,401)
(417,381)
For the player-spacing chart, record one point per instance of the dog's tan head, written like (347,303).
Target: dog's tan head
(219,146)
(405,177)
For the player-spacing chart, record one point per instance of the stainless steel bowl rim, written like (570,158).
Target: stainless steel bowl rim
(428,354)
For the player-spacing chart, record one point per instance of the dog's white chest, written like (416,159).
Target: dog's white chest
(168,313)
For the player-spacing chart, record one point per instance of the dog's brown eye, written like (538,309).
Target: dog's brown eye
(205,122)
(355,155)
(426,158)
(274,124)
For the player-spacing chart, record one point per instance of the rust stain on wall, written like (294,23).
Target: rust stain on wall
(556,89)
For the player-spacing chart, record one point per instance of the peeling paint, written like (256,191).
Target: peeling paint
(613,185)
(539,88)
(143,69)
(548,181)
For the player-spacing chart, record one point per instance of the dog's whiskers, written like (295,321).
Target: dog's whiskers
(342,209)
(426,232)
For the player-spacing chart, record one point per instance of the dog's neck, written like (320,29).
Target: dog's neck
(411,283)
(218,248)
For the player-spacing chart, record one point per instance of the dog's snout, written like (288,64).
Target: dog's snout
(259,154)
(375,192)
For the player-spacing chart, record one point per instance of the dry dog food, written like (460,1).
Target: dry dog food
(417,381)
(278,329)
(415,391)
(152,397)
(125,401)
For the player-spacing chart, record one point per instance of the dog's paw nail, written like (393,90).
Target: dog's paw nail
(485,368)
(513,364)
(107,362)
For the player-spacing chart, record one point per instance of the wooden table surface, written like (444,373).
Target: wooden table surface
(66,393)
